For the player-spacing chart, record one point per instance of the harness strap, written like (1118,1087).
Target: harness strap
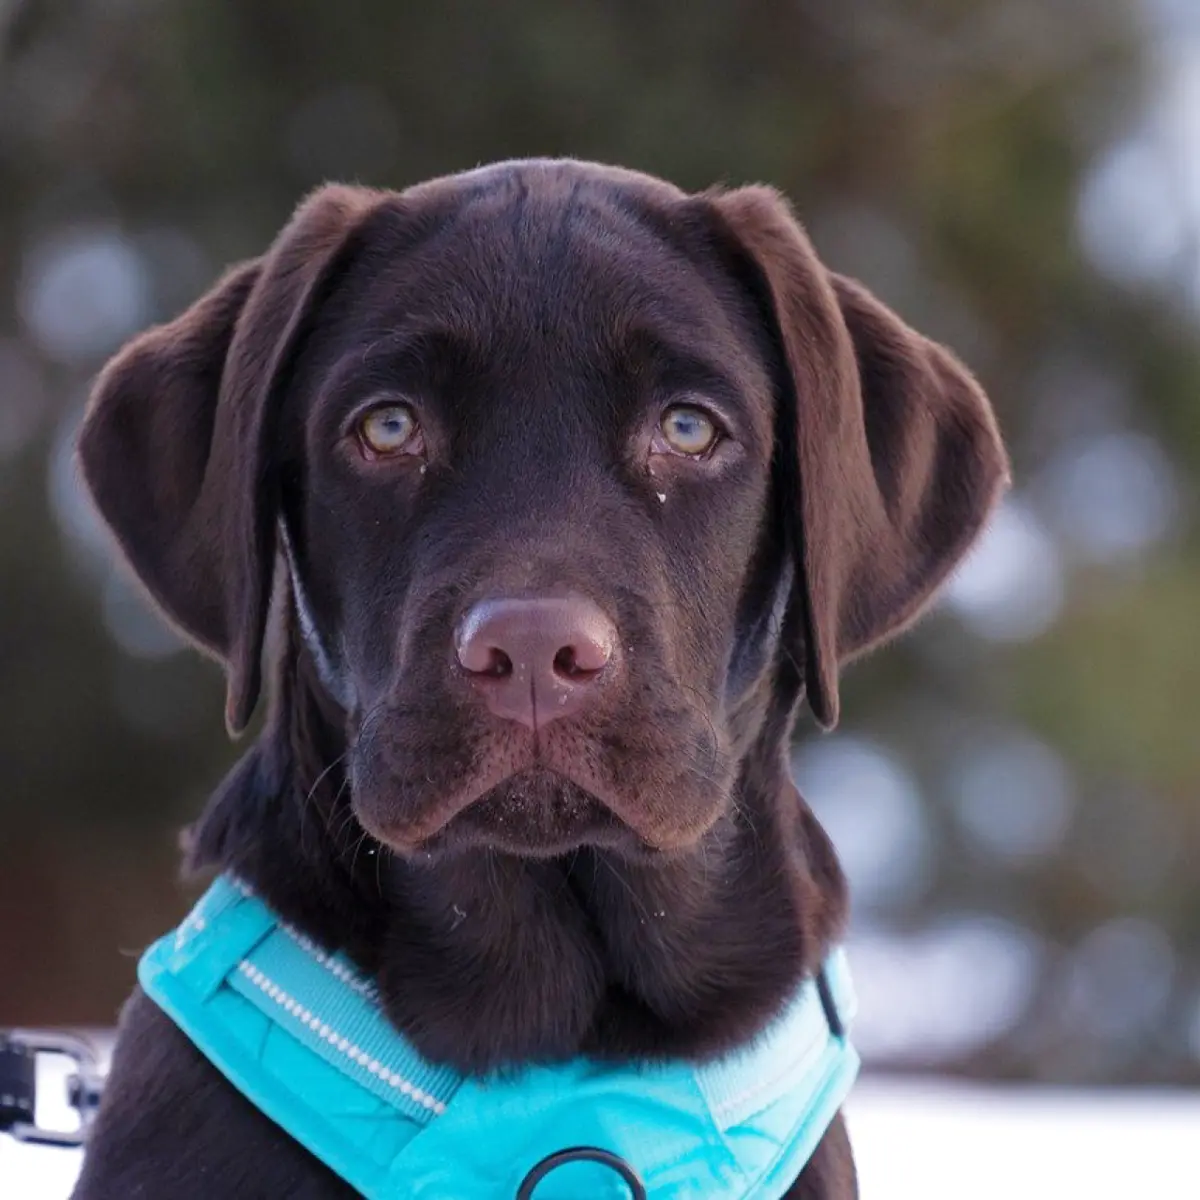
(301,1034)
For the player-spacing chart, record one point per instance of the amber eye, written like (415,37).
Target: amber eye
(688,430)
(390,429)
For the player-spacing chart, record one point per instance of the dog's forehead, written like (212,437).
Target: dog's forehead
(562,252)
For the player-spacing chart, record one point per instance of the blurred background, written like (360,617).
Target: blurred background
(1015,789)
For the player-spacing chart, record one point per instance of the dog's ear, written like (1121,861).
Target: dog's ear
(177,444)
(898,459)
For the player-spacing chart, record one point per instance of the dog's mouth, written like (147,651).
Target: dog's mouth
(638,794)
(536,813)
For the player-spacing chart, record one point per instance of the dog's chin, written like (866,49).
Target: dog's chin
(535,814)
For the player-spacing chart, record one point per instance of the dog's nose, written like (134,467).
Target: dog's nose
(536,660)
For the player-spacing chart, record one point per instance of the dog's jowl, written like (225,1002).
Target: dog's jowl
(540,500)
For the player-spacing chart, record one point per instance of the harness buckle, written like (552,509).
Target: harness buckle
(19,1052)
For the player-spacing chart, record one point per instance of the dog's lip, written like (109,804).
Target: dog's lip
(468,836)
(486,820)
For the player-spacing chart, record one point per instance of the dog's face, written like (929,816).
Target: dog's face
(555,455)
(533,431)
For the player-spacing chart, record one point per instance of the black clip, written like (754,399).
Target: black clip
(606,1158)
(825,991)
(19,1050)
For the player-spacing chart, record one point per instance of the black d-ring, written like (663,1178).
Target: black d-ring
(614,1162)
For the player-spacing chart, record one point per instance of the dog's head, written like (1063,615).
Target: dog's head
(563,467)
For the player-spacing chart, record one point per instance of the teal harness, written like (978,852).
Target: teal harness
(301,1034)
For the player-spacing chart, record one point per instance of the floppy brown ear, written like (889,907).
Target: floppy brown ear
(176,446)
(898,456)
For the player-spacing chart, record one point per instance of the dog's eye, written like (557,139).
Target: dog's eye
(688,430)
(390,429)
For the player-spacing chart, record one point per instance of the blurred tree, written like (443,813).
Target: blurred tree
(1014,787)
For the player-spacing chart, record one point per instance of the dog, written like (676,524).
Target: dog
(552,492)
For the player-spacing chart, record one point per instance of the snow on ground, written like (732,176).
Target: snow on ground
(942,1141)
(913,1141)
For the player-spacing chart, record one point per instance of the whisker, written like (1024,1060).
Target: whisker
(380,851)
(698,709)
(358,845)
(638,904)
(312,791)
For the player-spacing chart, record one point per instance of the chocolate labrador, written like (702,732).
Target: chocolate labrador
(553,492)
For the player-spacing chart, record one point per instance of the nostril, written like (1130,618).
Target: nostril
(498,665)
(581,660)
(482,658)
(566,664)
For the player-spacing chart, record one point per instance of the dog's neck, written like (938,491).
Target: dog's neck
(485,960)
